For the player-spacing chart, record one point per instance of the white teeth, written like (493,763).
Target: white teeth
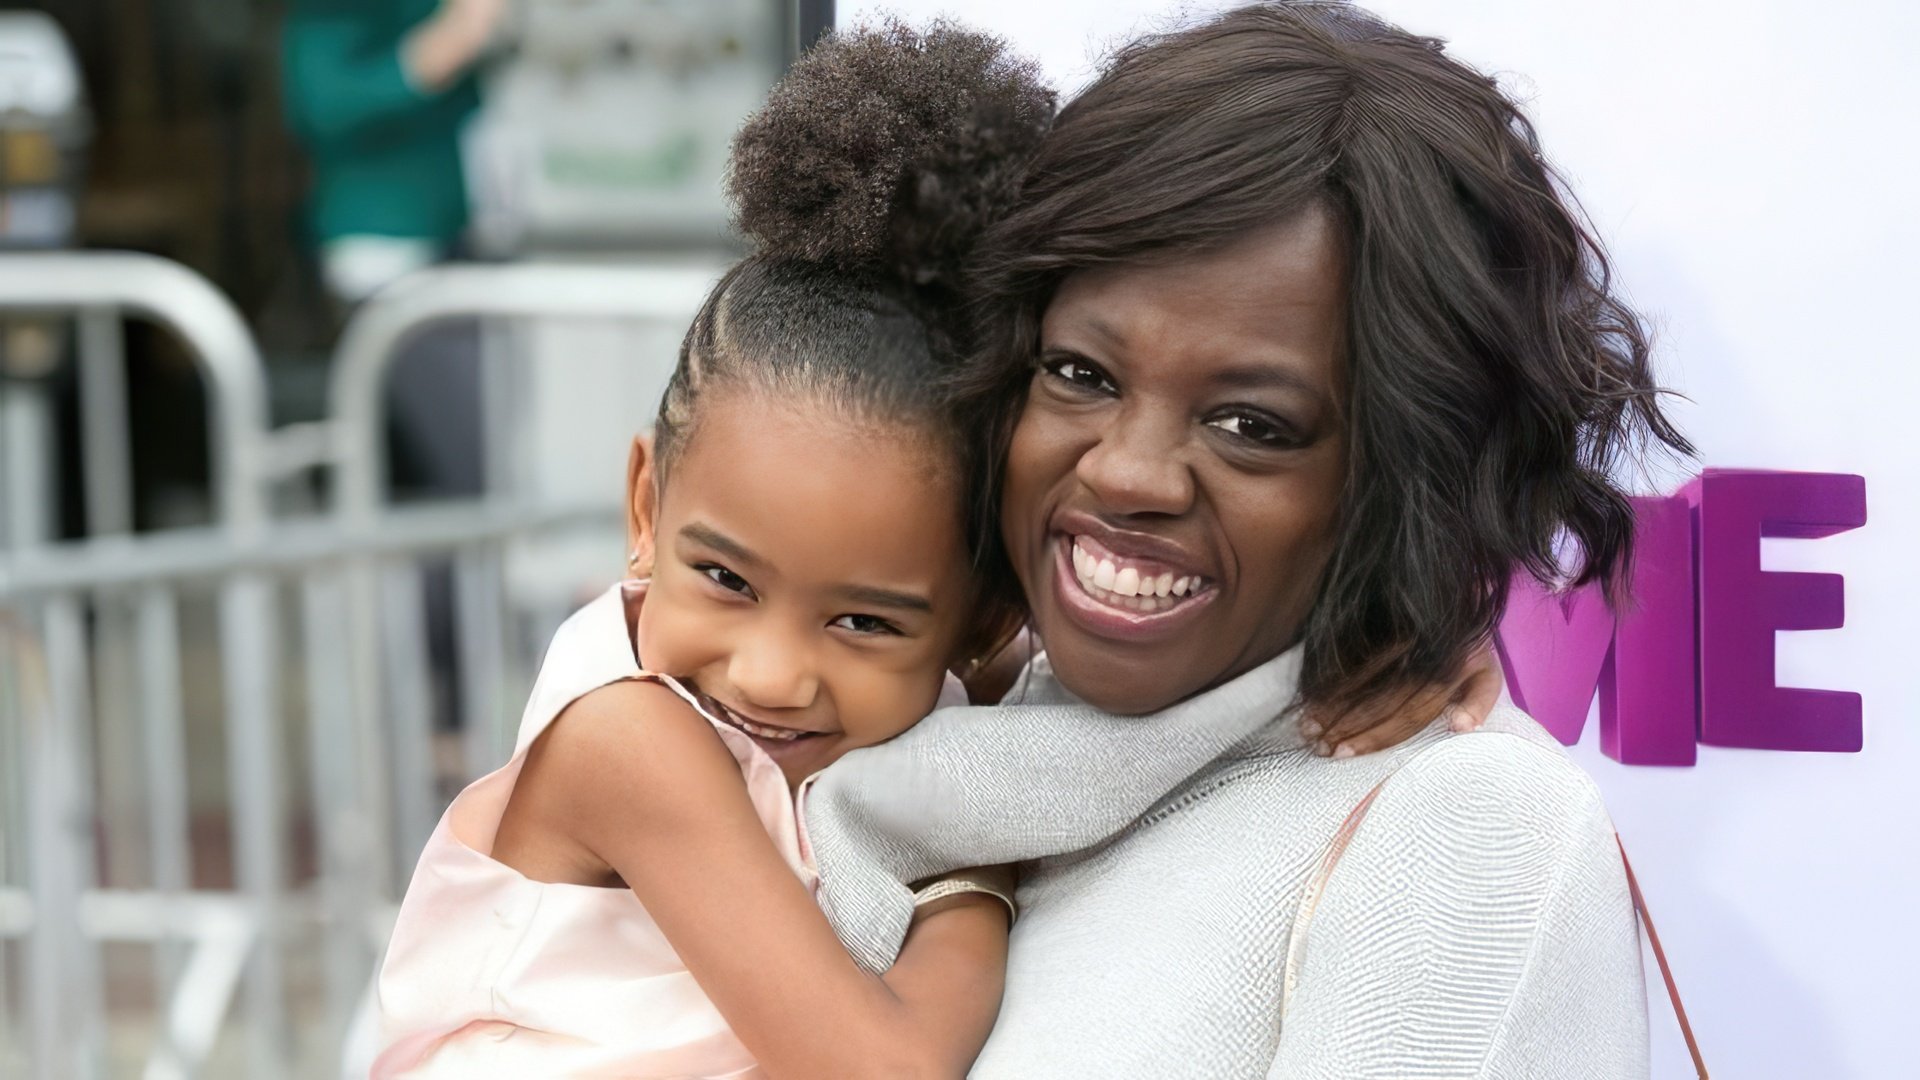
(1127,587)
(761,730)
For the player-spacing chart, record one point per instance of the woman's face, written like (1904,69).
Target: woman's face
(1174,478)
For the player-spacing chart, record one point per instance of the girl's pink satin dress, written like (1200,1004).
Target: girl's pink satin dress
(491,974)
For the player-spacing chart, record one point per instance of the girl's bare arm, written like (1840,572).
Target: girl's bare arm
(635,777)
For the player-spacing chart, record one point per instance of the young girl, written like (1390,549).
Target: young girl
(804,580)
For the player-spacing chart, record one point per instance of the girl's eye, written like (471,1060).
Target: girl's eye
(1257,428)
(1078,373)
(725,578)
(865,624)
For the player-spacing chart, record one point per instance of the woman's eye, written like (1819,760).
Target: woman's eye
(865,624)
(725,578)
(1078,373)
(1256,428)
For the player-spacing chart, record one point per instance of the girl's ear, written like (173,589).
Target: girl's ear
(640,507)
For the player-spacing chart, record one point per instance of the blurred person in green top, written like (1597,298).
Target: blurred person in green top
(378,91)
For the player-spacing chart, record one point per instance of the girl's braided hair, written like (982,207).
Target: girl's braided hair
(863,184)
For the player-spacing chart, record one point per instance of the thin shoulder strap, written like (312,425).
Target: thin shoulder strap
(1660,956)
(1316,886)
(1310,895)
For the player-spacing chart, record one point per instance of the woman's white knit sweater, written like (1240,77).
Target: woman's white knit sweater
(1479,925)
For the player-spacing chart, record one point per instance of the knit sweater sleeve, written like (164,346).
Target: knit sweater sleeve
(1002,784)
(1478,926)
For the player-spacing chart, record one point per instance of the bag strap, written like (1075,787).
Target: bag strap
(1310,895)
(1316,886)
(1660,956)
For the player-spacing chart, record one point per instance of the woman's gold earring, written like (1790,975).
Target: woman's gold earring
(633,560)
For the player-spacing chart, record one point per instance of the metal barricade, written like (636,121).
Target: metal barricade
(316,630)
(105,677)
(98,290)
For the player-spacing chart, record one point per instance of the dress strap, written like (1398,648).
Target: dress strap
(684,694)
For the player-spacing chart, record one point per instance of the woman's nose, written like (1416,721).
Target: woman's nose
(773,674)
(1138,466)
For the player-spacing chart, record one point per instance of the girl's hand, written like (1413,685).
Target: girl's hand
(1378,725)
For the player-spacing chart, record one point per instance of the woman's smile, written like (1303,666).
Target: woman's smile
(1126,586)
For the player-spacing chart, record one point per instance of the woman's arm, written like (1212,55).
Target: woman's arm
(636,778)
(1478,926)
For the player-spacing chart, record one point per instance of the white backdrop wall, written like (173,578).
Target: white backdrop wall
(1752,166)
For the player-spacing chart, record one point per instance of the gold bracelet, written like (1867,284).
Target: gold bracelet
(954,885)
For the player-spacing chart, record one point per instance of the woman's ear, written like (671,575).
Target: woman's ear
(641,507)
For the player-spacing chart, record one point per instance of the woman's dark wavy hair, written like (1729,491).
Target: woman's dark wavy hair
(864,183)
(1494,379)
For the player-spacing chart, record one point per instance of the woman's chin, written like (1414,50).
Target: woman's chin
(1090,672)
(1112,656)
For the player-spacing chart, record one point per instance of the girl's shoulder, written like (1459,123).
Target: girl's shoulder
(629,751)
(638,725)
(619,756)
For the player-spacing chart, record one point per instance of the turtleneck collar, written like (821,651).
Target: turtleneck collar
(1276,682)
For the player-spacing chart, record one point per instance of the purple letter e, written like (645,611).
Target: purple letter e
(1741,606)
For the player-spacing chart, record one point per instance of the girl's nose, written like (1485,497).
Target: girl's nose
(1138,466)
(773,674)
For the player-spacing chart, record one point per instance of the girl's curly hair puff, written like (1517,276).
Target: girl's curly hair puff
(890,149)
(864,183)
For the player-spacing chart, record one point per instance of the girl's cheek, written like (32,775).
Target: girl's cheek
(901,701)
(665,634)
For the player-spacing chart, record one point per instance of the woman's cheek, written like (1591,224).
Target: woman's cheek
(1040,455)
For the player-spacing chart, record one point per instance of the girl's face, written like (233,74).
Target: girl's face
(1174,479)
(810,575)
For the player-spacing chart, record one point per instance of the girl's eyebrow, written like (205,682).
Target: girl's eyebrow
(720,542)
(867,594)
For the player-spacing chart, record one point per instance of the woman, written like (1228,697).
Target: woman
(1290,318)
